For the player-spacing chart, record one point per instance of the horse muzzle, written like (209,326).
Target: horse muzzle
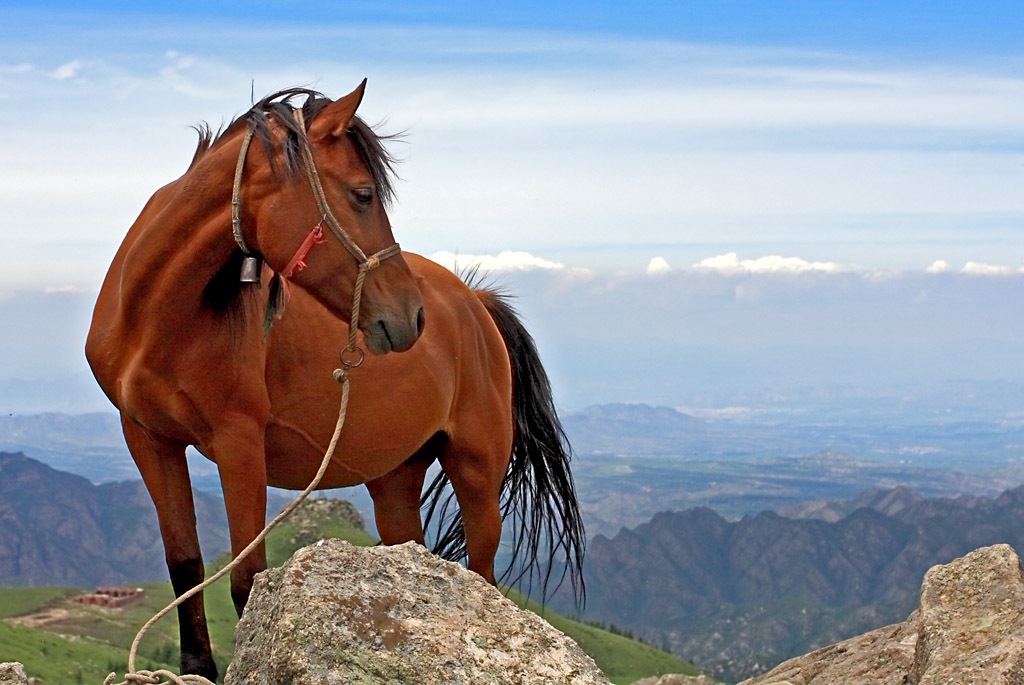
(394,333)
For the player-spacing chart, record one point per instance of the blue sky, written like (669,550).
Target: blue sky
(981,28)
(874,151)
(877,134)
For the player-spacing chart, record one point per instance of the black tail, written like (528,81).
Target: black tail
(538,493)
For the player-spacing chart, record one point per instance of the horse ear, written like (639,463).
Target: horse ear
(335,118)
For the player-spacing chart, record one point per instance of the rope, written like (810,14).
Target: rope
(325,210)
(366,264)
(341,376)
(153,677)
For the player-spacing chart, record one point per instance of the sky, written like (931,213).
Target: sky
(775,192)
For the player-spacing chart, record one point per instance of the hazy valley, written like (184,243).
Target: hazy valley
(736,453)
(864,493)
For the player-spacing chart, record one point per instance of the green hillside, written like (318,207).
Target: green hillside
(82,644)
(622,659)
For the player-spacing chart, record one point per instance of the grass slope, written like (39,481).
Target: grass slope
(57,659)
(18,601)
(622,659)
(91,642)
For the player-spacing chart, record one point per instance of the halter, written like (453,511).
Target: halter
(251,262)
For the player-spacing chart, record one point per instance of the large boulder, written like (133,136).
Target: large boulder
(969,629)
(336,613)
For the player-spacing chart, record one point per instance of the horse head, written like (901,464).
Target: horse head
(334,200)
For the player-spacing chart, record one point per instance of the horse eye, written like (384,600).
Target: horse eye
(363,196)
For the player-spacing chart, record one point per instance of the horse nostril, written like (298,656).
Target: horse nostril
(421,319)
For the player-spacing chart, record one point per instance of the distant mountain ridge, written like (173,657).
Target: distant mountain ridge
(891,502)
(738,597)
(57,528)
(91,445)
(636,414)
(632,428)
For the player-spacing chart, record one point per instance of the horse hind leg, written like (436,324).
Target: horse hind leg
(396,495)
(164,470)
(476,471)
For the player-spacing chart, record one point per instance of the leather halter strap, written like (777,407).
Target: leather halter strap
(325,209)
(315,236)
(236,189)
(365,263)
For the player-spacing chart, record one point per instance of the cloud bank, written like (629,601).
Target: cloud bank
(731,264)
(509,260)
(676,334)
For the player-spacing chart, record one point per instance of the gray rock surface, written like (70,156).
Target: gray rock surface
(677,679)
(12,673)
(336,613)
(969,629)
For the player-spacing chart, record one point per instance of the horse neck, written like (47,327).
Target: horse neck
(183,239)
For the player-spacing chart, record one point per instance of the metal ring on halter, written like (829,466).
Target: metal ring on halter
(358,360)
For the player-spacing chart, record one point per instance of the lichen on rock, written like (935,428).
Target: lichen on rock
(337,613)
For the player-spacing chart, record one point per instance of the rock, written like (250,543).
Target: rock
(968,629)
(336,613)
(12,673)
(309,518)
(972,620)
(677,679)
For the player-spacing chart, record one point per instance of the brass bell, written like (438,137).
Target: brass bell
(251,269)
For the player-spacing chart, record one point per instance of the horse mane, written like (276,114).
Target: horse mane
(223,293)
(281,107)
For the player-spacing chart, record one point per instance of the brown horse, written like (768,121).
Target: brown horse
(187,354)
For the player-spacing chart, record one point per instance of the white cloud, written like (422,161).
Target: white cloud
(22,68)
(508,260)
(730,263)
(67,70)
(658,265)
(982,269)
(938,266)
(50,290)
(919,450)
(178,61)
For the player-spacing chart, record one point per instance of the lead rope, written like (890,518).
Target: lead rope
(154,677)
(366,264)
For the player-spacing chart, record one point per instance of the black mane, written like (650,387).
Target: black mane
(224,292)
(281,107)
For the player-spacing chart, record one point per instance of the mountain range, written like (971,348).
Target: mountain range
(738,597)
(57,528)
(635,460)
(734,589)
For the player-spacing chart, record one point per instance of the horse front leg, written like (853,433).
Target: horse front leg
(239,453)
(164,470)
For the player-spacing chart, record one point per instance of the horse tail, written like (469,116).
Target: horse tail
(538,495)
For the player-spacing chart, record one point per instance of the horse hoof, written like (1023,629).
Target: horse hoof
(193,665)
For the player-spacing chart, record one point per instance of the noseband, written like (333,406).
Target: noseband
(352,355)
